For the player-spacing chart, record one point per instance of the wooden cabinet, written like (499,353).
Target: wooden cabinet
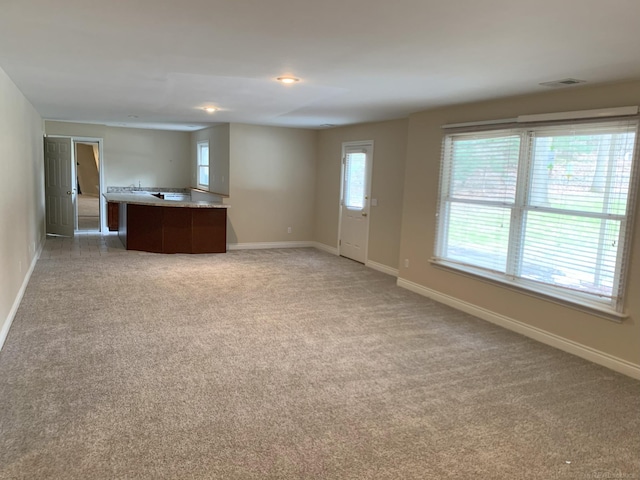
(113,216)
(162,229)
(209,230)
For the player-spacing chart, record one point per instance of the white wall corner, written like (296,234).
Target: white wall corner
(326,248)
(267,245)
(16,303)
(394,272)
(596,356)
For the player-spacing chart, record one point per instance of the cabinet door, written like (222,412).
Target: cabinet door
(144,228)
(209,230)
(176,230)
(113,214)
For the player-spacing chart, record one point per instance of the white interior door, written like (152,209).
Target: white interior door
(59,188)
(356,185)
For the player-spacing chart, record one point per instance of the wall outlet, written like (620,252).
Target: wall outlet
(288,229)
(406,263)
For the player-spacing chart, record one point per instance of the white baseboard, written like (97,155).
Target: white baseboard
(265,245)
(569,346)
(394,272)
(16,303)
(382,268)
(326,248)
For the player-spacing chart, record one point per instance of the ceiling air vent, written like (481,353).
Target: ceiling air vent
(565,82)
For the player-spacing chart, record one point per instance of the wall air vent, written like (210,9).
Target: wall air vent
(565,82)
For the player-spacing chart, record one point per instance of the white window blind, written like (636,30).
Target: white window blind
(544,208)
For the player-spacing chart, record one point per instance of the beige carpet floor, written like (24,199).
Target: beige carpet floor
(289,364)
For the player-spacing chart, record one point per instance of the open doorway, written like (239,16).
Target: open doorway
(87,183)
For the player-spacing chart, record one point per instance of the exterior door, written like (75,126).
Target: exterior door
(59,188)
(354,218)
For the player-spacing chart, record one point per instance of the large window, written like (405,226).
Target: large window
(203,164)
(545,208)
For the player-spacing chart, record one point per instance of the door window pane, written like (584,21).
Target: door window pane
(356,166)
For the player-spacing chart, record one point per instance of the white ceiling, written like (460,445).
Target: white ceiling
(359,60)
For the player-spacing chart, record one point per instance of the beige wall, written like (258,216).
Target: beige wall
(283,177)
(419,210)
(271,172)
(272,184)
(155,158)
(389,152)
(21,195)
(218,138)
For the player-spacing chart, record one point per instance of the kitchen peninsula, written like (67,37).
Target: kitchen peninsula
(150,223)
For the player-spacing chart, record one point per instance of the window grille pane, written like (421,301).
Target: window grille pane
(571,251)
(478,235)
(203,175)
(485,168)
(356,165)
(204,155)
(588,173)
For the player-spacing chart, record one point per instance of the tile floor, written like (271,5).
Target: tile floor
(83,244)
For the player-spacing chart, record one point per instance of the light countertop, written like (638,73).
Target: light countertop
(146,198)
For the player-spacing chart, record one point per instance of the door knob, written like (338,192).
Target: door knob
(68,192)
(364,214)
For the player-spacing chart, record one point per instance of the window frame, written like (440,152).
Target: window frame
(522,205)
(200,165)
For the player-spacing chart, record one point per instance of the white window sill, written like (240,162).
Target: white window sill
(581,304)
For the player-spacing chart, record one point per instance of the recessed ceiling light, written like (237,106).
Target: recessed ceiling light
(288,79)
(210,109)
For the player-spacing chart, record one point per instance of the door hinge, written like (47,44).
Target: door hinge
(339,242)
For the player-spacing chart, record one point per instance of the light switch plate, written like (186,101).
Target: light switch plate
(374,202)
